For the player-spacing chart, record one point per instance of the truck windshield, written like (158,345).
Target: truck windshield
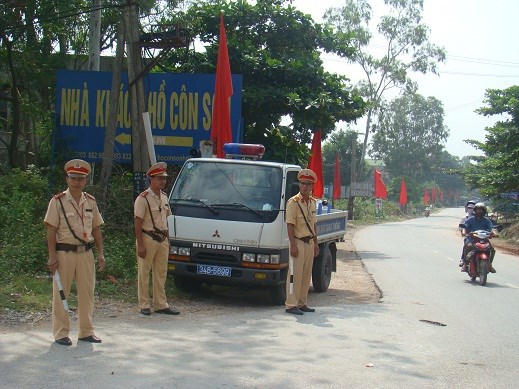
(247,187)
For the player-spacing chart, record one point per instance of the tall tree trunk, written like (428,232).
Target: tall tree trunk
(12,148)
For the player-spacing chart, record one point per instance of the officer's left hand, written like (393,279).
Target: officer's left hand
(101,261)
(316,250)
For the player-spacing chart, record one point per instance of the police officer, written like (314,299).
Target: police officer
(301,222)
(151,210)
(73,228)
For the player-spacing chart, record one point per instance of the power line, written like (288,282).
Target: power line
(64,15)
(480,74)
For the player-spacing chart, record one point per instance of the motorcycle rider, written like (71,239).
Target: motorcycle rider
(469,212)
(477,222)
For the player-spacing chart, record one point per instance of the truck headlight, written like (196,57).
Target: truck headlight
(173,250)
(248,257)
(184,251)
(274,258)
(263,258)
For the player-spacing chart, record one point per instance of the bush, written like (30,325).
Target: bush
(22,234)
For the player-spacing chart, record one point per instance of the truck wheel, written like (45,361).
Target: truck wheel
(187,284)
(322,270)
(278,294)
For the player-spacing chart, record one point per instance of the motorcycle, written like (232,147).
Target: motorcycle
(479,265)
(427,212)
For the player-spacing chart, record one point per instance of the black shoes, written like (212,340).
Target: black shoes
(492,270)
(306,309)
(64,341)
(167,311)
(91,339)
(294,311)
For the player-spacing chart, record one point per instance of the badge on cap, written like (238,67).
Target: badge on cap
(157,170)
(77,166)
(307,175)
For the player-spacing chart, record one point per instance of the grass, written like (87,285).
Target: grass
(34,293)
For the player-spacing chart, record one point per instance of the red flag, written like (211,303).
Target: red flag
(433,194)
(380,187)
(221,123)
(316,164)
(337,179)
(403,193)
(426,197)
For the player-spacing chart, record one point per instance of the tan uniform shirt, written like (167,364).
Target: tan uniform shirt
(295,216)
(159,208)
(82,218)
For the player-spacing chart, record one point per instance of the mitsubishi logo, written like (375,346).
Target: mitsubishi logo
(216,234)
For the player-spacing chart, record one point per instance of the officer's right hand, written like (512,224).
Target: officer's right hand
(293,251)
(141,251)
(52,265)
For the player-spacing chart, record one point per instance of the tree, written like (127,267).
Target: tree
(407,48)
(35,39)
(409,135)
(276,48)
(497,171)
(340,142)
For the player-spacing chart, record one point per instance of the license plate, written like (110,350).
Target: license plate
(210,270)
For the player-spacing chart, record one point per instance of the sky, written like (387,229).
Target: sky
(481,39)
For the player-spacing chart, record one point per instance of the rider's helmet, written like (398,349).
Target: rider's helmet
(469,203)
(480,206)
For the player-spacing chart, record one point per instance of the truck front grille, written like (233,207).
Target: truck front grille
(205,257)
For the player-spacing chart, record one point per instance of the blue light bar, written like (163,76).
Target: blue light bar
(244,150)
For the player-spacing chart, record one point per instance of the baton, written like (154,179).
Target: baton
(291,274)
(60,288)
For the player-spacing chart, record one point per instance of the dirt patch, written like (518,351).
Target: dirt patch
(351,284)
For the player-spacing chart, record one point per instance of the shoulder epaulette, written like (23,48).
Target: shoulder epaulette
(58,195)
(164,193)
(89,196)
(144,194)
(313,198)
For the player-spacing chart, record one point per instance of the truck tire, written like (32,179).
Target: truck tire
(187,284)
(322,270)
(278,294)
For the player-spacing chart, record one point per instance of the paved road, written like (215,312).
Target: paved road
(381,345)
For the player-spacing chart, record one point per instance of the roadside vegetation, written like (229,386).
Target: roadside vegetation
(25,284)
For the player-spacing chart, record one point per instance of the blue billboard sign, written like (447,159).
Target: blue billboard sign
(179,107)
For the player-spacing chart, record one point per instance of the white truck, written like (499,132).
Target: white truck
(228,226)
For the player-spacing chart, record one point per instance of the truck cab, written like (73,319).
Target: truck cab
(228,224)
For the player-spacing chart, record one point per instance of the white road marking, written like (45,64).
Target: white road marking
(512,286)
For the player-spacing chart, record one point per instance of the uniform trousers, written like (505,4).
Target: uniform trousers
(302,275)
(156,260)
(81,267)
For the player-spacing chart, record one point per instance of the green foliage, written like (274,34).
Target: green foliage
(277,49)
(409,135)
(22,235)
(25,292)
(498,170)
(342,143)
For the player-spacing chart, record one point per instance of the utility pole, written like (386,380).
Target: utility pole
(140,158)
(111,125)
(94,37)
(353,177)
